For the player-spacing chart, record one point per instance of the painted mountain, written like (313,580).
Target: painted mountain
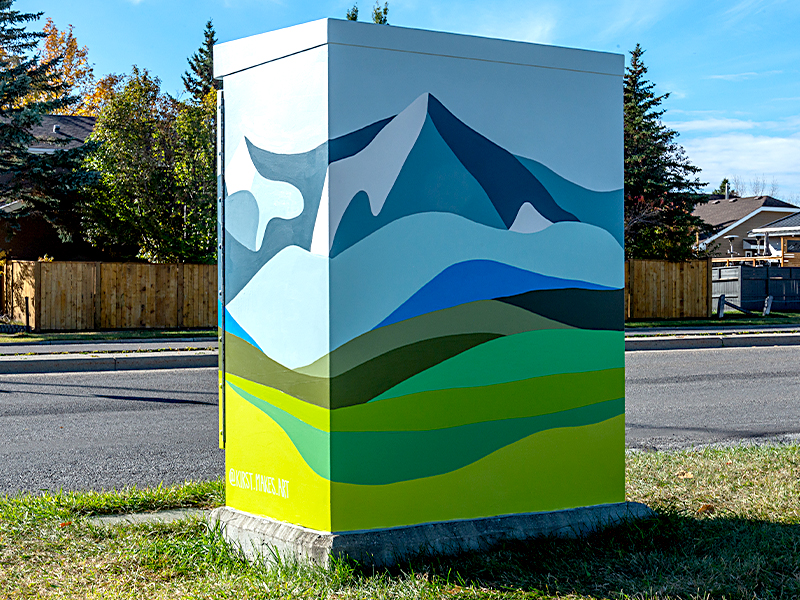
(438,336)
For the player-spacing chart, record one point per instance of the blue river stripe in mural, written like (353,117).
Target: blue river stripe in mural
(474,280)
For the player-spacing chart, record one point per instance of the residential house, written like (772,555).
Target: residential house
(738,217)
(35,237)
(781,238)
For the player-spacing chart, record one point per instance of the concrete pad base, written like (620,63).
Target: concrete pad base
(161,516)
(264,537)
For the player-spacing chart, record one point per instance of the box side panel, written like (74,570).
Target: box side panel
(476,288)
(354,33)
(276,290)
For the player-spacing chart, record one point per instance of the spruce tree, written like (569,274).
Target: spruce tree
(380,15)
(661,185)
(29,89)
(199,77)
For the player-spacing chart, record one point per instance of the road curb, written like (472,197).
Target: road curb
(633,344)
(132,361)
(164,341)
(65,363)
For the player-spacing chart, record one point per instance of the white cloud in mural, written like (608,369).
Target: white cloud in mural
(274,198)
(240,171)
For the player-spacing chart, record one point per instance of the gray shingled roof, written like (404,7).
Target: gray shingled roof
(69,127)
(792,221)
(721,213)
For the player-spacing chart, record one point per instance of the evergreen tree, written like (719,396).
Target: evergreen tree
(30,88)
(352,13)
(721,189)
(199,78)
(661,185)
(380,15)
(14,39)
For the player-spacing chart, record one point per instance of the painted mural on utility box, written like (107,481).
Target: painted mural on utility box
(421,323)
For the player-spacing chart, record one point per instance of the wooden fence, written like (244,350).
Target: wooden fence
(657,289)
(74,296)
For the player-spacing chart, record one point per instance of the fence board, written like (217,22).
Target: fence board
(657,289)
(70,296)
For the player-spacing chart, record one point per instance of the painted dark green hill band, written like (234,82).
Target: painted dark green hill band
(379,458)
(356,386)
(483,316)
(423,366)
(366,381)
(519,357)
(584,309)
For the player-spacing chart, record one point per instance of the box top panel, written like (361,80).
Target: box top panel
(238,55)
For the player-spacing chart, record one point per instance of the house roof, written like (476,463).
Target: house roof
(785,224)
(725,215)
(52,128)
(721,213)
(73,128)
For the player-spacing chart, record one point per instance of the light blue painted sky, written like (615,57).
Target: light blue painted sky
(733,68)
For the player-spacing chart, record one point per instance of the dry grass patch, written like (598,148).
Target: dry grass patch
(728,527)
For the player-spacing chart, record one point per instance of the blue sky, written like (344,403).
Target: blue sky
(732,68)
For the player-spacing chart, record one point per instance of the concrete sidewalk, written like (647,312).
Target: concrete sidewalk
(669,338)
(176,353)
(107,355)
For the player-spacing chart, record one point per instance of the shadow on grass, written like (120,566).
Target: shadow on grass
(668,556)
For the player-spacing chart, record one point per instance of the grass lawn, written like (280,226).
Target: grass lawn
(732,318)
(130,334)
(728,527)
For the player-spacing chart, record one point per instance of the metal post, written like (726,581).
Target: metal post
(221,260)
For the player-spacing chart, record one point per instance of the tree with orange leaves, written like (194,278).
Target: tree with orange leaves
(75,71)
(101,94)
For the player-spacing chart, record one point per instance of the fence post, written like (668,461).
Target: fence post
(38,313)
(98,297)
(179,291)
(709,286)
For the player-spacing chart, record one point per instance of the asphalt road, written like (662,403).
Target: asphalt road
(681,398)
(106,430)
(80,431)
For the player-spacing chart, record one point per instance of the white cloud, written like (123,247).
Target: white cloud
(735,76)
(786,126)
(634,16)
(537,26)
(745,9)
(712,124)
(749,156)
(743,76)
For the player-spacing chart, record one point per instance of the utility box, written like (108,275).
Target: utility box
(423,277)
